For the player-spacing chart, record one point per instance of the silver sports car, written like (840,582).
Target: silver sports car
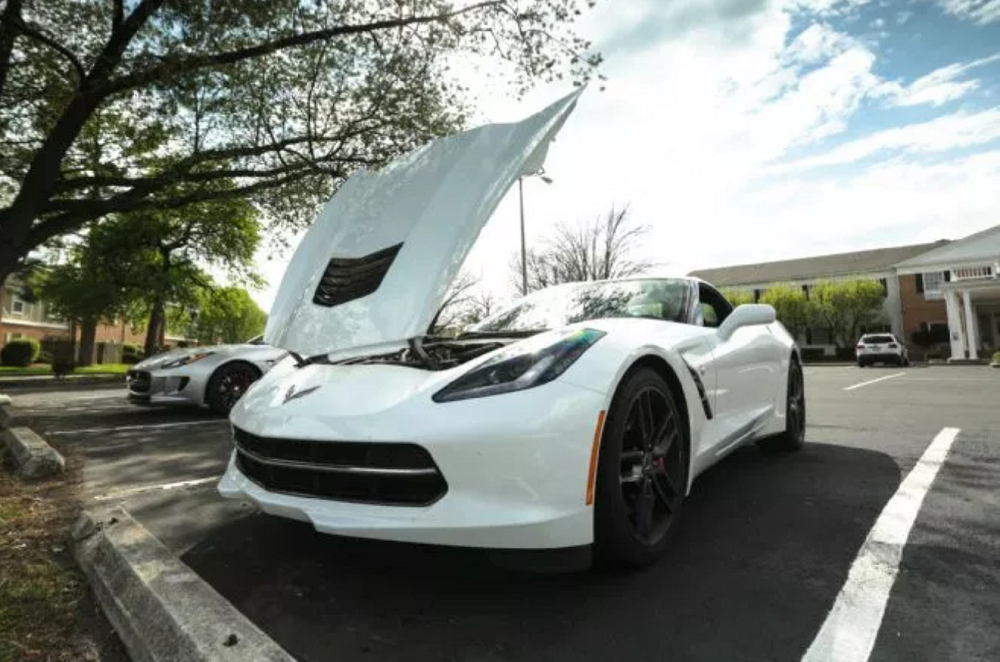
(216,377)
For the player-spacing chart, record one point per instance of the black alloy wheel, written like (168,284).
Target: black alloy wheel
(794,436)
(228,385)
(643,472)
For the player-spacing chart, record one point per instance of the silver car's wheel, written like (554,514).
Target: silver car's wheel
(228,385)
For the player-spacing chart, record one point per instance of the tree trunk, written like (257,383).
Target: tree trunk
(154,328)
(88,334)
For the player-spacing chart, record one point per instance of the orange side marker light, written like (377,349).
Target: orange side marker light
(594,452)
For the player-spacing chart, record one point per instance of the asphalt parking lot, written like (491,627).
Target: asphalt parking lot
(766,548)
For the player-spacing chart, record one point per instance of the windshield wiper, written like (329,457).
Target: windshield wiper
(522,333)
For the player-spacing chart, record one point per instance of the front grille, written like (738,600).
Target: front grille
(349,278)
(397,474)
(139,381)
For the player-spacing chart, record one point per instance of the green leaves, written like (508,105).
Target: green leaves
(281,99)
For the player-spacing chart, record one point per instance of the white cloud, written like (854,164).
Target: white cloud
(936,88)
(941,134)
(903,16)
(978,11)
(696,129)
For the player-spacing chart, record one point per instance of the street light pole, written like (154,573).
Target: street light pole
(524,249)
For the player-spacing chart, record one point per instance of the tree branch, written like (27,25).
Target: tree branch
(117,15)
(11,14)
(19,25)
(187,64)
(87,210)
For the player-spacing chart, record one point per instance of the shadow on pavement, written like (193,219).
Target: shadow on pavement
(765,545)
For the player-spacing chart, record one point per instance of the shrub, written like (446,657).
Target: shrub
(812,354)
(996,357)
(131,353)
(20,352)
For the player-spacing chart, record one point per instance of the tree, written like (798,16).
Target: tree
(480,306)
(225,315)
(115,106)
(84,290)
(845,306)
(455,302)
(737,296)
(159,256)
(599,250)
(791,307)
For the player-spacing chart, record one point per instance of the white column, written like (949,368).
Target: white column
(955,332)
(970,326)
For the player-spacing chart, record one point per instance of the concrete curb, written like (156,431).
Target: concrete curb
(4,399)
(31,455)
(46,382)
(10,418)
(160,608)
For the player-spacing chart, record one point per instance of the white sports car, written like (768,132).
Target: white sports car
(575,419)
(215,376)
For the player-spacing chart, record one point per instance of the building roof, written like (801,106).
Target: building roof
(823,266)
(980,247)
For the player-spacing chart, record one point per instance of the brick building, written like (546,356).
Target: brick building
(20,318)
(948,287)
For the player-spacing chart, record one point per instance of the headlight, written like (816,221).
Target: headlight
(176,363)
(525,366)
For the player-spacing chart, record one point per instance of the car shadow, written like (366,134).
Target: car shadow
(763,548)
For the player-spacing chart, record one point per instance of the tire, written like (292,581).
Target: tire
(794,436)
(642,473)
(228,384)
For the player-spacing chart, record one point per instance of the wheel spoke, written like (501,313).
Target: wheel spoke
(662,449)
(669,480)
(664,499)
(645,417)
(644,502)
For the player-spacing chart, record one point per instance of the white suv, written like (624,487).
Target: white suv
(881,348)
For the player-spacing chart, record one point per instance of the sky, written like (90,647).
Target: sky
(753,130)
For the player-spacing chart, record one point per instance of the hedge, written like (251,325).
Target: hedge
(20,352)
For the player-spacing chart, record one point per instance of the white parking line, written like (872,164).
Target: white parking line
(152,488)
(850,629)
(874,381)
(123,428)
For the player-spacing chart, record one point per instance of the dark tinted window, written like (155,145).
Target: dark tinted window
(877,340)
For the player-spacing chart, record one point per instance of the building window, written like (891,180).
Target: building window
(17,306)
(885,286)
(932,282)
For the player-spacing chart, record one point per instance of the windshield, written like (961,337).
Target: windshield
(662,299)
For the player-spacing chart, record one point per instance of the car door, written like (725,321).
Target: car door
(745,372)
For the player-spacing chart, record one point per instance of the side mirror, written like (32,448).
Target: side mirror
(750,314)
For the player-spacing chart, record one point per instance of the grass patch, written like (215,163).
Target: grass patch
(103,369)
(45,609)
(43,369)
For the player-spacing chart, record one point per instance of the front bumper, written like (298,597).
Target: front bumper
(516,467)
(160,386)
(880,357)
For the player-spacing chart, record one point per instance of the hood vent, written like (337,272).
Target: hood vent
(349,278)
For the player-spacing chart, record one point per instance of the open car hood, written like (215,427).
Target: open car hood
(375,266)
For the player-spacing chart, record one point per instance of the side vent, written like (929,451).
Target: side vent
(705,405)
(349,278)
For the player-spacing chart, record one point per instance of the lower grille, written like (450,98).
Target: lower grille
(138,381)
(398,474)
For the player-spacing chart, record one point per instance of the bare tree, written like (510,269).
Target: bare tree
(455,302)
(602,249)
(479,307)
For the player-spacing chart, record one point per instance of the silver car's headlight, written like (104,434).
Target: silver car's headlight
(176,363)
(527,365)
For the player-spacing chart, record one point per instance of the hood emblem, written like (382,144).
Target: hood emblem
(292,394)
